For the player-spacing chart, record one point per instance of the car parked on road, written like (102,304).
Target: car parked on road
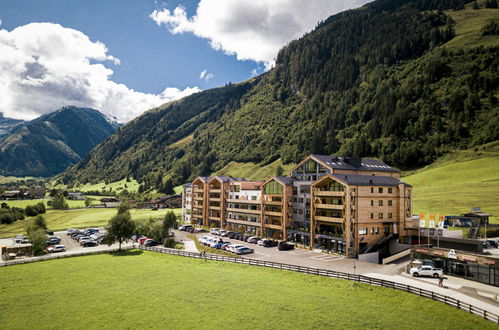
(233,247)
(267,242)
(220,245)
(151,242)
(184,227)
(253,239)
(53,240)
(70,230)
(223,233)
(142,240)
(215,231)
(244,250)
(85,239)
(89,243)
(285,246)
(426,271)
(56,248)
(20,241)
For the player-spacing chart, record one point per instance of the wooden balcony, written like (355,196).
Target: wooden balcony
(275,214)
(271,202)
(212,217)
(268,225)
(215,190)
(244,201)
(243,222)
(197,190)
(196,206)
(236,210)
(328,193)
(328,206)
(197,198)
(214,207)
(329,219)
(214,199)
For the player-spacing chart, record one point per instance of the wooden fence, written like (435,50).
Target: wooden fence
(334,274)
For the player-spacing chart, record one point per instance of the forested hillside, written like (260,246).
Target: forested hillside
(49,144)
(387,80)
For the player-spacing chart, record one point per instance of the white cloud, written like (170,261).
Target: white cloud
(254,72)
(206,76)
(45,66)
(252,29)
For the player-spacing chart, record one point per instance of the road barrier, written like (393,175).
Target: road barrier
(334,274)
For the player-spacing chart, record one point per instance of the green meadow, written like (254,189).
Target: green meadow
(79,218)
(139,289)
(459,181)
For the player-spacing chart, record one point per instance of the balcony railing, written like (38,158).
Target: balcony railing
(237,210)
(329,219)
(318,192)
(328,206)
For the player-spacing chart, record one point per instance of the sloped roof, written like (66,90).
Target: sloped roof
(369,180)
(350,163)
(285,180)
(251,185)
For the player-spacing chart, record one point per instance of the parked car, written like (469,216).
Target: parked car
(267,242)
(244,250)
(78,237)
(142,240)
(70,230)
(199,230)
(85,239)
(101,239)
(426,271)
(56,248)
(49,232)
(223,233)
(285,246)
(214,241)
(490,243)
(53,240)
(190,229)
(253,239)
(151,242)
(89,244)
(203,240)
(20,241)
(233,247)
(231,234)
(220,245)
(215,231)
(184,227)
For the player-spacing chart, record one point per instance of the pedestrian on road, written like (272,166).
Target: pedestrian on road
(441,281)
(203,254)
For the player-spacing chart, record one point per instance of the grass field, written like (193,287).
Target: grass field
(78,218)
(457,182)
(9,179)
(253,171)
(147,290)
(24,203)
(469,22)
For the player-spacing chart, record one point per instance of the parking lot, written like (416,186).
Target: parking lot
(304,257)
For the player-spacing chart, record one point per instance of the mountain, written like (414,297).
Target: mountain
(402,80)
(7,125)
(49,144)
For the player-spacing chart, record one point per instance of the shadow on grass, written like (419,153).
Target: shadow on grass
(126,253)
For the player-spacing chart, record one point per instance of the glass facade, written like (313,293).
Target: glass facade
(274,188)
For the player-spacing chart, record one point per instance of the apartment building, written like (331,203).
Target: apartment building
(187,203)
(244,207)
(349,205)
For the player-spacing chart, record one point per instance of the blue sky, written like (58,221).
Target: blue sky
(151,58)
(124,57)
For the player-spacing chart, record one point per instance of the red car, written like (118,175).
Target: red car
(142,240)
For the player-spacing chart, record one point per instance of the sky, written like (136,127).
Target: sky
(123,57)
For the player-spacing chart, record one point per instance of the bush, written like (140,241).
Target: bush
(30,211)
(169,243)
(40,208)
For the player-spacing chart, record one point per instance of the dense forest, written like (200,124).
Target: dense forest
(376,81)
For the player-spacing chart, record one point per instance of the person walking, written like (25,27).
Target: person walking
(441,281)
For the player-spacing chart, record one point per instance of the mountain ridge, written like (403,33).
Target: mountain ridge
(376,81)
(50,143)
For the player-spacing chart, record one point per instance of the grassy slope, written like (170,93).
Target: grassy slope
(469,22)
(252,170)
(161,291)
(78,218)
(9,179)
(459,181)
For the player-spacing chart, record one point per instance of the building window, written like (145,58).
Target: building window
(253,198)
(295,199)
(372,202)
(380,215)
(363,231)
(390,190)
(300,211)
(389,215)
(300,200)
(295,190)
(274,188)
(294,211)
(380,203)
(372,190)
(390,202)
(372,230)
(380,190)
(372,215)
(377,230)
